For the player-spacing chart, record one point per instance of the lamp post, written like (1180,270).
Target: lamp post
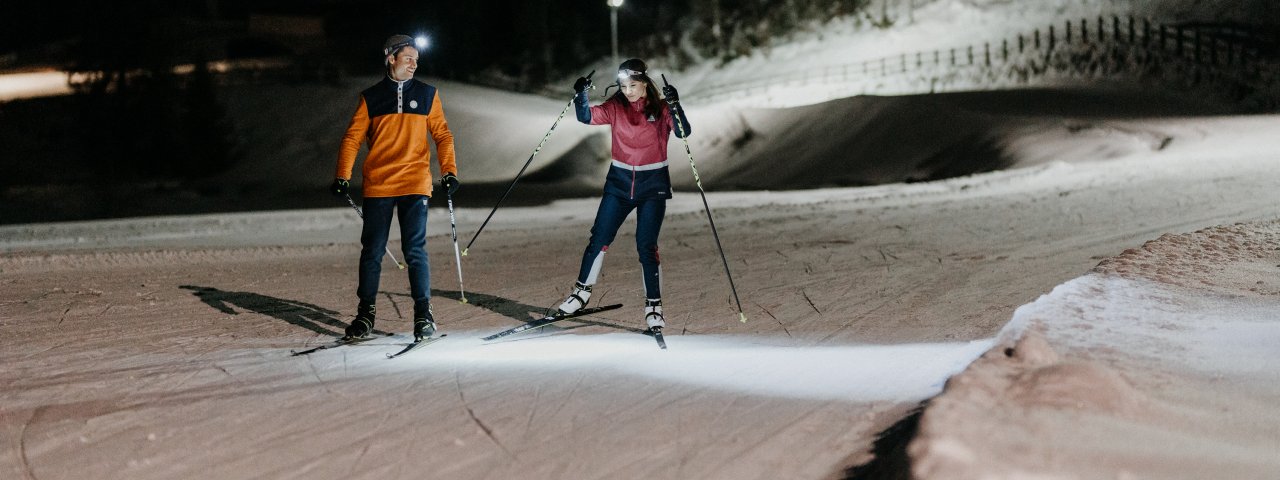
(613,24)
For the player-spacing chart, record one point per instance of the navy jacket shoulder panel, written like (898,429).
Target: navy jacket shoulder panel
(381,98)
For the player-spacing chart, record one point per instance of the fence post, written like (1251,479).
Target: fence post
(1115,28)
(1068,30)
(1004,47)
(935,58)
(953,57)
(1020,44)
(1132,31)
(919,62)
(970,54)
(1052,37)
(1102,29)
(1146,32)
(986,52)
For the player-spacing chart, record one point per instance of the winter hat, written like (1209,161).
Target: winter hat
(395,43)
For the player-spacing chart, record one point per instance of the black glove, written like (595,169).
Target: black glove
(450,183)
(340,187)
(670,94)
(581,85)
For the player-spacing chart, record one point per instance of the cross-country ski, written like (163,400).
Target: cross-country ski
(412,347)
(548,320)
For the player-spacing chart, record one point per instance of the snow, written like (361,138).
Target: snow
(1173,343)
(158,347)
(869,373)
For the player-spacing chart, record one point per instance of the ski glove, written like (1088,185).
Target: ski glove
(450,183)
(340,187)
(672,96)
(581,85)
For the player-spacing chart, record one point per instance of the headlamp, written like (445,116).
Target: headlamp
(628,73)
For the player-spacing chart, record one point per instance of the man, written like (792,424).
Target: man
(394,117)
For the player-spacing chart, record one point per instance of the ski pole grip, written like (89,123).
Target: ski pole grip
(664,80)
(589,75)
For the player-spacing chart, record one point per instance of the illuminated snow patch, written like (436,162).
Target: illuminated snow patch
(852,372)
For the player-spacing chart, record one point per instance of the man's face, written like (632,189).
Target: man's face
(632,89)
(403,63)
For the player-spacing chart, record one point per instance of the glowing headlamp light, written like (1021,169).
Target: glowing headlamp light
(625,74)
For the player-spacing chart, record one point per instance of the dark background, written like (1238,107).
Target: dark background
(494,41)
(135,129)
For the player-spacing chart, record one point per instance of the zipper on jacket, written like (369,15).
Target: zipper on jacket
(399,97)
(633,182)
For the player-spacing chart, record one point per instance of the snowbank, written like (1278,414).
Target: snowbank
(1157,364)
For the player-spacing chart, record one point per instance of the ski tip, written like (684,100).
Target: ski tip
(742,317)
(464,252)
(464,300)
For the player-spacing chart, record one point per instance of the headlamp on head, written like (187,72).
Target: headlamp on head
(395,43)
(628,73)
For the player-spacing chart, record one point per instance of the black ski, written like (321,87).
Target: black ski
(341,342)
(547,320)
(657,335)
(416,345)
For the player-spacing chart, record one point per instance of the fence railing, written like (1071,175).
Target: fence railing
(1223,60)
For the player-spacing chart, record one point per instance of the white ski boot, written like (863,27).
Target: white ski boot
(653,314)
(577,299)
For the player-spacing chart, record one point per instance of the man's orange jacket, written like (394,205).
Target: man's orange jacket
(395,118)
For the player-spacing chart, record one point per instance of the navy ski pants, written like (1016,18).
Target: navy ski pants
(412,210)
(613,211)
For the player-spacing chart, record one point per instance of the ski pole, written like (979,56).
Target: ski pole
(457,259)
(361,214)
(694,168)
(522,169)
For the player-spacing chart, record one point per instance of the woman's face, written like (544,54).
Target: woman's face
(633,89)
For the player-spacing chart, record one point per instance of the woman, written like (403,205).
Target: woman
(638,178)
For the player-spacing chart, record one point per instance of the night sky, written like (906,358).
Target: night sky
(466,36)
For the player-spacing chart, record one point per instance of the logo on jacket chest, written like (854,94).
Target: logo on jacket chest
(413,104)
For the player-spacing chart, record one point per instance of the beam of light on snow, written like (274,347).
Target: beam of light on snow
(15,86)
(852,372)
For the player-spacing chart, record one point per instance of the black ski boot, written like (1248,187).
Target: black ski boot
(363,324)
(424,324)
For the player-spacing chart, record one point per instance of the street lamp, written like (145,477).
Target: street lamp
(613,23)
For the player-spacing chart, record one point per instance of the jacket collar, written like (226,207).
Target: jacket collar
(638,105)
(397,82)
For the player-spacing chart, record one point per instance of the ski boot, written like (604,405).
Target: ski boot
(363,324)
(653,314)
(577,299)
(424,324)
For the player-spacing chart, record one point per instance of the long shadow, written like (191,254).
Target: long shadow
(520,311)
(305,315)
